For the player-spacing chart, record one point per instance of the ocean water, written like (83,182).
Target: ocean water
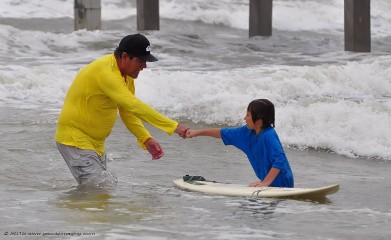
(333,116)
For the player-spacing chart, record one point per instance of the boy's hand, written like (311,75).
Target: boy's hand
(190,133)
(258,184)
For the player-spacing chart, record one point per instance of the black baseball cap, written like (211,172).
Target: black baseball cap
(137,45)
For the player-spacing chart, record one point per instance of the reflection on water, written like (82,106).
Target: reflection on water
(259,206)
(316,200)
(86,199)
(267,206)
(92,204)
(88,204)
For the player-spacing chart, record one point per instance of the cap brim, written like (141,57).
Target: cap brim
(148,58)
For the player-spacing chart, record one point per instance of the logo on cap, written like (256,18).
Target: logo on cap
(148,49)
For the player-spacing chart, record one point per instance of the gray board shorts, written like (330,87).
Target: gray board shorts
(85,165)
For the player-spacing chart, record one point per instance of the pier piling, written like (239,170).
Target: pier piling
(87,14)
(260,23)
(148,15)
(357,26)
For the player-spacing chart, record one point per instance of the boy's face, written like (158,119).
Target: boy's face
(249,120)
(250,124)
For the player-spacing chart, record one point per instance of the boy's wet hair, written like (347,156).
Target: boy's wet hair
(262,109)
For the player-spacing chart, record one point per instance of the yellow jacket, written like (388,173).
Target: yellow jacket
(92,103)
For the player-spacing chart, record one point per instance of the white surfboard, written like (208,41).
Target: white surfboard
(228,189)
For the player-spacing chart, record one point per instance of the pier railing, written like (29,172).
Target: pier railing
(356,13)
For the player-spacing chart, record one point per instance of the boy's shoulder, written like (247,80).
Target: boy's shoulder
(269,131)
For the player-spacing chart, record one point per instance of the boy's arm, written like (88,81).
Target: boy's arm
(271,176)
(211,132)
(268,179)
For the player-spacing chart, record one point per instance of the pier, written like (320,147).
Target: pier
(357,19)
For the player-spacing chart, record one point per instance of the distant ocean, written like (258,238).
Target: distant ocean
(328,101)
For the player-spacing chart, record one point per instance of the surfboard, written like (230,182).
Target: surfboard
(230,189)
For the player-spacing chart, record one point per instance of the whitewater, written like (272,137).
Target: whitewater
(325,98)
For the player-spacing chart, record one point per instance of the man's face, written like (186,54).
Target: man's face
(132,65)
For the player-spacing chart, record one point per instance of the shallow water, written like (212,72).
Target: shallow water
(39,193)
(333,106)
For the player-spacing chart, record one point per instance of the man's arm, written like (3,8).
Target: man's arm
(114,88)
(135,126)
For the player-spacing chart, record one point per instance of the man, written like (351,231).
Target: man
(101,90)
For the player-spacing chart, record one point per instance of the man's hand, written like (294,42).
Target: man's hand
(181,130)
(154,148)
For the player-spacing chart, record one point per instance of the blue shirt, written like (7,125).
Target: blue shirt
(264,151)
